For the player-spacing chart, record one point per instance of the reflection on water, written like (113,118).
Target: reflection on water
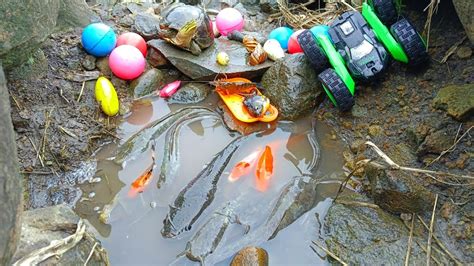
(130,223)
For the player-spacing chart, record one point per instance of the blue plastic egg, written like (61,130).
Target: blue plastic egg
(282,35)
(98,39)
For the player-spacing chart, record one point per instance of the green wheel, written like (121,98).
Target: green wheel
(385,10)
(411,42)
(336,90)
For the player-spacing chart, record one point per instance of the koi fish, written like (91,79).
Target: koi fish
(139,184)
(264,169)
(243,167)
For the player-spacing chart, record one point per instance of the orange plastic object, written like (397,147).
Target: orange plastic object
(235,102)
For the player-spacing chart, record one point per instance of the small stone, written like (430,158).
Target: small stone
(191,93)
(457,100)
(146,25)
(147,82)
(358,146)
(435,143)
(254,256)
(88,62)
(464,52)
(447,210)
(375,130)
(103,66)
(155,58)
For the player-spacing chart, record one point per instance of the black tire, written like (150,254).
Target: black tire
(386,11)
(312,51)
(337,88)
(411,42)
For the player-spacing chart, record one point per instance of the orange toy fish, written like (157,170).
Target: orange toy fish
(243,167)
(264,169)
(143,180)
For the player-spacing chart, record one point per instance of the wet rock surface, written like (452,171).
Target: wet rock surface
(146,25)
(205,67)
(358,235)
(457,100)
(42,226)
(254,256)
(148,82)
(191,93)
(398,192)
(292,86)
(465,8)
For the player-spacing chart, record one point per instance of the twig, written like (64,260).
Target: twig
(62,95)
(432,6)
(410,240)
(433,257)
(37,152)
(14,100)
(358,203)
(395,166)
(452,148)
(451,50)
(48,121)
(361,164)
(91,253)
(56,248)
(67,132)
(430,236)
(349,6)
(82,90)
(440,244)
(36,172)
(328,252)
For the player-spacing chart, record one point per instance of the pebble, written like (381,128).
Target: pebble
(88,62)
(375,130)
(464,52)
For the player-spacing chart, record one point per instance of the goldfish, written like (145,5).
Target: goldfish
(264,169)
(139,184)
(243,167)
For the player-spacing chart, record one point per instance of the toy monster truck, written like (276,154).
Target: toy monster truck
(356,46)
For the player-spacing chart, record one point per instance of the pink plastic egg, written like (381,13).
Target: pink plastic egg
(293,45)
(229,19)
(127,62)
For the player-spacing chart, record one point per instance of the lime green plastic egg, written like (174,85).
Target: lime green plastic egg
(106,96)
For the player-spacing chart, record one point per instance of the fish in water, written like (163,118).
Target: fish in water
(264,169)
(243,167)
(209,236)
(171,152)
(142,181)
(198,194)
(256,104)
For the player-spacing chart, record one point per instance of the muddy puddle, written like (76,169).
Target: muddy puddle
(192,206)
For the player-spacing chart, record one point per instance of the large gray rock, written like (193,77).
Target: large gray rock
(41,226)
(465,10)
(148,82)
(292,86)
(368,236)
(146,25)
(10,182)
(457,100)
(75,13)
(191,93)
(205,67)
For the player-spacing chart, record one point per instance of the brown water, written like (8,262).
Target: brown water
(131,233)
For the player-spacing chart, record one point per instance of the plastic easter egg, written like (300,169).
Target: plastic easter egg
(229,19)
(169,89)
(273,49)
(223,58)
(293,45)
(127,62)
(98,39)
(282,35)
(133,39)
(106,96)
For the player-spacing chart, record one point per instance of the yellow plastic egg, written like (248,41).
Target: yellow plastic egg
(106,96)
(223,58)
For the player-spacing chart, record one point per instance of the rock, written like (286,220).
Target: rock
(21,33)
(464,52)
(88,62)
(41,226)
(204,66)
(401,154)
(358,146)
(269,6)
(457,100)
(368,236)
(147,82)
(75,13)
(10,181)
(250,256)
(465,9)
(103,66)
(292,86)
(397,191)
(155,58)
(191,93)
(375,130)
(35,68)
(147,25)
(435,143)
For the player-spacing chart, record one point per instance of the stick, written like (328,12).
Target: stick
(452,50)
(328,252)
(82,90)
(358,204)
(430,236)
(36,172)
(410,239)
(440,244)
(452,148)
(37,152)
(90,254)
(16,102)
(67,132)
